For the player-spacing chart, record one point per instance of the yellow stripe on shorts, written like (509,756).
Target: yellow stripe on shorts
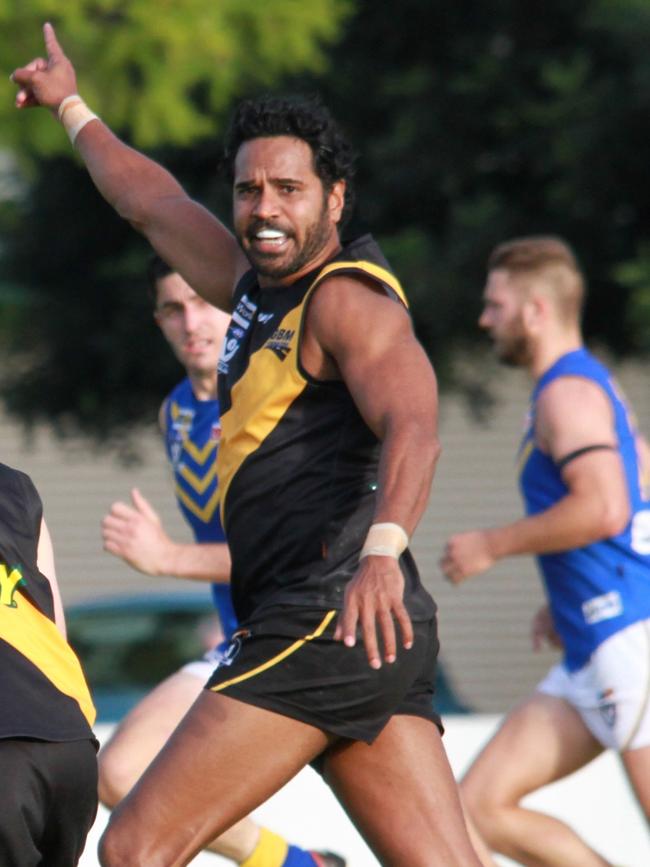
(276,659)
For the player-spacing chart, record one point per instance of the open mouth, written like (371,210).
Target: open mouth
(268,240)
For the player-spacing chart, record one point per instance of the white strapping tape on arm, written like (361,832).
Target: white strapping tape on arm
(385,540)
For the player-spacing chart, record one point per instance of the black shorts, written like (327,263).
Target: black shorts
(288,662)
(49,803)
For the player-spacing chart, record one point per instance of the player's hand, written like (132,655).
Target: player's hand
(542,630)
(135,533)
(375,596)
(466,554)
(45,81)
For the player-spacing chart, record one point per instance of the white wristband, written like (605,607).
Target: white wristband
(74,114)
(385,540)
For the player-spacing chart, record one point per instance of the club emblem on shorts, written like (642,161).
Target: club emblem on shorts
(607,708)
(232,651)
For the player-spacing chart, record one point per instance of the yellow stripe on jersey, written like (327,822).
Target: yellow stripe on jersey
(259,401)
(204,513)
(37,638)
(374,270)
(280,656)
(200,485)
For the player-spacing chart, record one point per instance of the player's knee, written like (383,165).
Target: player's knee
(115,777)
(113,851)
(484,810)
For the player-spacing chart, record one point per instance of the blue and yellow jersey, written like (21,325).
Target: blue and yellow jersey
(297,465)
(192,432)
(599,589)
(45,695)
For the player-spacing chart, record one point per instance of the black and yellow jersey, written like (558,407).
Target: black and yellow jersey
(44,692)
(297,464)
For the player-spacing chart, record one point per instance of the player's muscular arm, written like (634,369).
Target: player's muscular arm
(366,337)
(572,414)
(186,235)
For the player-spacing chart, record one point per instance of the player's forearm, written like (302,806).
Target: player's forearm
(199,562)
(410,451)
(128,180)
(573,522)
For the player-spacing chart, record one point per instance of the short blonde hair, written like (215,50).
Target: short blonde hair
(549,258)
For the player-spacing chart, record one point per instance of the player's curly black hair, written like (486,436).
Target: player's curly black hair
(305,118)
(157,269)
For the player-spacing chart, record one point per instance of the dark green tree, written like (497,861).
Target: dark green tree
(480,122)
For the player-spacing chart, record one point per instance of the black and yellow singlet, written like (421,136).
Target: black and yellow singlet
(297,465)
(44,692)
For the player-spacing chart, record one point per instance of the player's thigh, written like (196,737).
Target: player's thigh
(401,793)
(637,767)
(144,730)
(225,758)
(542,740)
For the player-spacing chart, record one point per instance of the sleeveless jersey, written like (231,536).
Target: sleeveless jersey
(44,692)
(297,465)
(192,432)
(599,589)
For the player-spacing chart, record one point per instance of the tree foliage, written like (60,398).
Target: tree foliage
(162,71)
(475,122)
(484,121)
(76,322)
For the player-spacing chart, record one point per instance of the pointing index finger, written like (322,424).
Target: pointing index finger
(54,50)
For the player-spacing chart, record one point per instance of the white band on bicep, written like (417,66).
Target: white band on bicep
(74,114)
(385,540)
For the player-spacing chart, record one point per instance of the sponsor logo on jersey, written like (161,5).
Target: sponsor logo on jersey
(603,607)
(264,317)
(241,319)
(176,450)
(10,579)
(182,418)
(280,342)
(640,532)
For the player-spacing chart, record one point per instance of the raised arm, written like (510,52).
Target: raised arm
(596,504)
(394,389)
(187,236)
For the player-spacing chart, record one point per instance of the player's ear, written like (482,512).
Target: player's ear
(534,312)
(336,200)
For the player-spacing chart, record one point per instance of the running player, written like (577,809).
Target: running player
(323,478)
(189,420)
(585,476)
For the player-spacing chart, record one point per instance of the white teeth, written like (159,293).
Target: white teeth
(269,235)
